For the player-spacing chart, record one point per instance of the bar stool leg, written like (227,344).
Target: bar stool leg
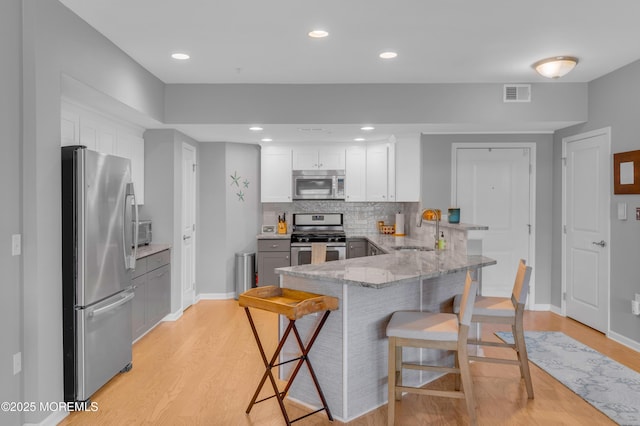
(268,366)
(523,358)
(391,408)
(304,358)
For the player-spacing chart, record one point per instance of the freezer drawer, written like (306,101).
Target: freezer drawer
(103,339)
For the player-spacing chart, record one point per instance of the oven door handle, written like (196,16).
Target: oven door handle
(307,246)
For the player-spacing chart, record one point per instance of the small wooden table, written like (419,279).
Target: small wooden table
(293,304)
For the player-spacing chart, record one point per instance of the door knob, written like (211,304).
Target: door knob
(601,243)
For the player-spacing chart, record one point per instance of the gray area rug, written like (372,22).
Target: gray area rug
(604,383)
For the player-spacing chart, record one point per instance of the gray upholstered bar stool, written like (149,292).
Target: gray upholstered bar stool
(432,330)
(504,310)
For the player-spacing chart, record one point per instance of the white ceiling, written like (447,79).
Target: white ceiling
(453,41)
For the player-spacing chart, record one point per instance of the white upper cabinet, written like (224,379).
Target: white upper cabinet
(381,185)
(275,174)
(355,173)
(313,158)
(83,126)
(383,171)
(408,171)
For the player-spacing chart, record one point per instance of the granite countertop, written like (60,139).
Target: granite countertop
(395,267)
(461,226)
(144,251)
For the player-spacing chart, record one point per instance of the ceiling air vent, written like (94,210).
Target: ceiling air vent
(517,93)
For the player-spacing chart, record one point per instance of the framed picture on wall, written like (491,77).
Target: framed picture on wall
(626,172)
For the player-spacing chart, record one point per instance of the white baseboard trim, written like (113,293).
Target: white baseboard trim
(173,316)
(624,340)
(215,296)
(51,420)
(557,310)
(540,307)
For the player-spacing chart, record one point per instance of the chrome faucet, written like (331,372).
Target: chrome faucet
(434,212)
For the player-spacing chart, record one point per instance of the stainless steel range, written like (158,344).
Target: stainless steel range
(309,228)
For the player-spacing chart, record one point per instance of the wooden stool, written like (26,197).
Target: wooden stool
(432,330)
(504,310)
(293,304)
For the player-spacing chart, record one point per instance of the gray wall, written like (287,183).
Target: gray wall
(163,198)
(211,273)
(436,190)
(57,42)
(10,181)
(242,217)
(374,103)
(231,224)
(614,100)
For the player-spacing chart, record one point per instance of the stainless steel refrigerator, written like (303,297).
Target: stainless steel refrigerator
(97,255)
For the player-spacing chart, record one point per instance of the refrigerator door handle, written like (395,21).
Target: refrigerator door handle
(112,306)
(130,258)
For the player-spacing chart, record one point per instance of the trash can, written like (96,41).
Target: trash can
(245,272)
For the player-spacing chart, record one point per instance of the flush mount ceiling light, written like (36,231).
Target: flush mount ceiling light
(367,128)
(255,128)
(388,55)
(266,140)
(359,139)
(555,67)
(180,56)
(318,33)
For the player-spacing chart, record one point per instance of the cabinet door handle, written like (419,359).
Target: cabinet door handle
(274,246)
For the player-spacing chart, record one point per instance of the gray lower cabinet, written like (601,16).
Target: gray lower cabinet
(272,253)
(152,288)
(356,247)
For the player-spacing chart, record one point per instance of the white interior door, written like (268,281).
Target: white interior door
(587,181)
(188,224)
(492,187)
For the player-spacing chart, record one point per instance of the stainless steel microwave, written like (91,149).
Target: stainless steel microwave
(318,184)
(144,232)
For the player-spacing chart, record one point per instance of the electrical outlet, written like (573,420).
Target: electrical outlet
(17,363)
(16,245)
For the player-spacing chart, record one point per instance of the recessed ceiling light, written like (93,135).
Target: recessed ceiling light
(388,55)
(180,56)
(318,33)
(255,128)
(359,139)
(366,128)
(266,140)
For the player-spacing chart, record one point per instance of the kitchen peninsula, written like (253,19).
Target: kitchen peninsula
(350,355)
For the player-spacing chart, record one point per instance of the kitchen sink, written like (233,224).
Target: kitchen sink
(412,248)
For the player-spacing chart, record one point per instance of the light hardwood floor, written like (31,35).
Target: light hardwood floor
(203,369)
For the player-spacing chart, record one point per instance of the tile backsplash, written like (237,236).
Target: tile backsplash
(359,218)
